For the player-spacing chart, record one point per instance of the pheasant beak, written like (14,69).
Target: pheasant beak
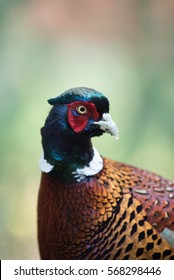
(108,125)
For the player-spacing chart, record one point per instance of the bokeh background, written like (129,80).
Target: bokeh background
(123,48)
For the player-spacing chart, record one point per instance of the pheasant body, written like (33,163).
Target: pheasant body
(116,213)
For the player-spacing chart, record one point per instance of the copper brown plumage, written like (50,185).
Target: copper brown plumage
(118,213)
(105,218)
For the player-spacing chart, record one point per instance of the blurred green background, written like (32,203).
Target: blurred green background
(123,48)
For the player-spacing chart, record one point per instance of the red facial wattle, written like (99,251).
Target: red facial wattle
(77,121)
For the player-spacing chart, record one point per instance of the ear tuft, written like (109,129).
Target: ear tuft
(53,101)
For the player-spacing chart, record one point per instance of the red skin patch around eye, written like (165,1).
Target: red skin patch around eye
(79,122)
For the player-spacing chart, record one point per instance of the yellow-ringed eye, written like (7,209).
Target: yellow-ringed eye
(82,110)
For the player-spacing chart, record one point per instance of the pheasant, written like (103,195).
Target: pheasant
(90,207)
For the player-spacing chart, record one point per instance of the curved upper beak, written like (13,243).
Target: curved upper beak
(108,125)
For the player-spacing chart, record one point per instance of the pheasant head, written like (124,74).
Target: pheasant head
(77,115)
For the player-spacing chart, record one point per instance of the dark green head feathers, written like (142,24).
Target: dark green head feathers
(77,115)
(82,94)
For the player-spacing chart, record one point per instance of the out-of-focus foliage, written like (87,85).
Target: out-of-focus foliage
(122,48)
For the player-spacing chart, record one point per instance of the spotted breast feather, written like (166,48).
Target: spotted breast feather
(91,207)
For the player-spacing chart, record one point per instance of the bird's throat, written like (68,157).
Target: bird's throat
(80,161)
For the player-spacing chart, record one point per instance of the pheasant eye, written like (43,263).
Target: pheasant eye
(82,110)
